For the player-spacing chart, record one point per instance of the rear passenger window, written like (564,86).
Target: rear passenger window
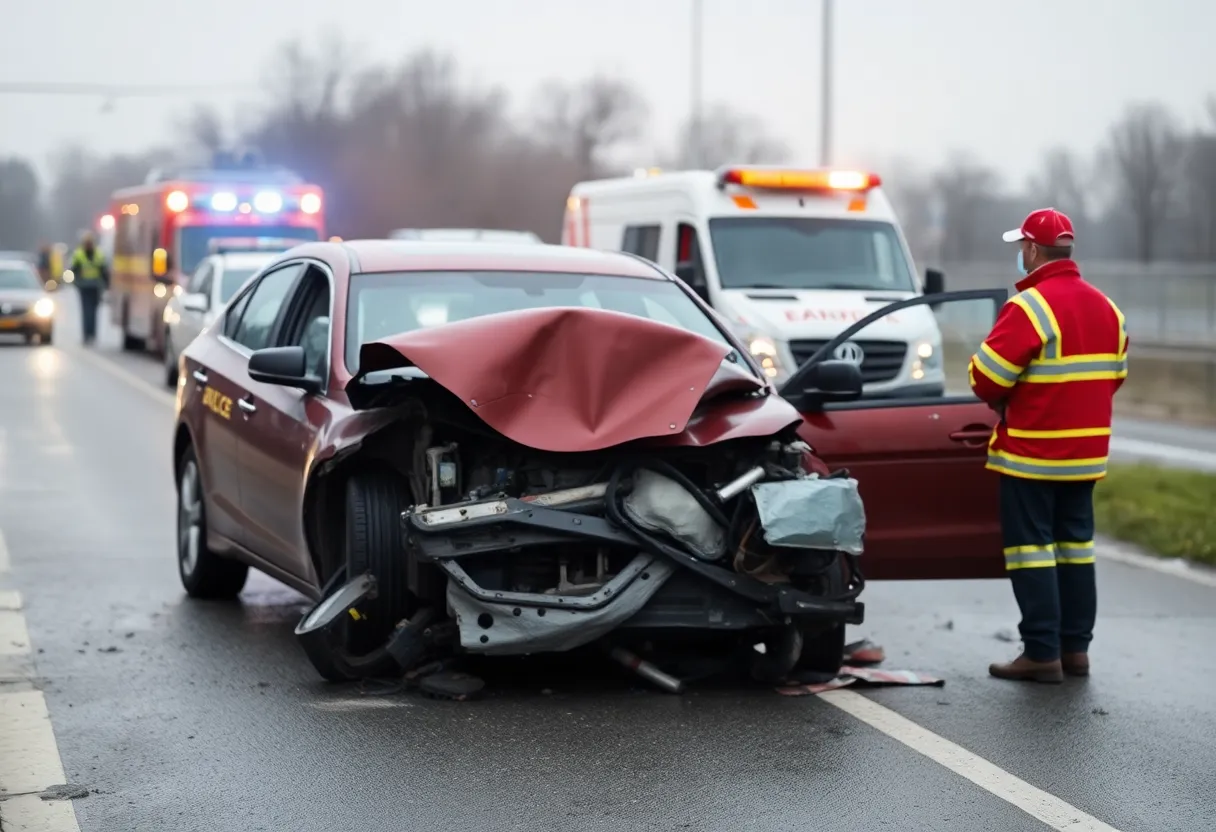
(642,240)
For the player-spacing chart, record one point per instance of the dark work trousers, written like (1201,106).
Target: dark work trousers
(1048,530)
(90,299)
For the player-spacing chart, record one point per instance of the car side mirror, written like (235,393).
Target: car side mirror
(828,381)
(284,366)
(196,302)
(935,284)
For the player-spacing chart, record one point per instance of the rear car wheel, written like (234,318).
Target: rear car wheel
(375,544)
(204,574)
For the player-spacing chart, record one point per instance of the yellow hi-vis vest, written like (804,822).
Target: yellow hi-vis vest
(85,267)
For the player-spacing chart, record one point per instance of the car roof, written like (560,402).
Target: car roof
(246,259)
(369,256)
(12,262)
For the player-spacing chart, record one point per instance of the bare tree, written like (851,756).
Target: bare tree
(1144,146)
(590,119)
(1199,188)
(83,184)
(204,129)
(20,218)
(727,136)
(964,188)
(1061,183)
(912,197)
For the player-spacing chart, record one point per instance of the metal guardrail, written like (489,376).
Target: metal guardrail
(1170,307)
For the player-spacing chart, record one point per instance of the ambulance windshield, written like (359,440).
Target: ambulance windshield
(809,253)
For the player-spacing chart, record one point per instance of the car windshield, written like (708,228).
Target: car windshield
(18,277)
(232,280)
(808,253)
(194,242)
(381,305)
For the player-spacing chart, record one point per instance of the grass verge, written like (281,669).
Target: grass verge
(1167,511)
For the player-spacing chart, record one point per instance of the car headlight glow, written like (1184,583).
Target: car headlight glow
(44,308)
(764,350)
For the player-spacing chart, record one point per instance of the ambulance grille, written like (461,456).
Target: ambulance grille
(882,361)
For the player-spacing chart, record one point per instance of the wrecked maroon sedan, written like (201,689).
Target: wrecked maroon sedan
(509,450)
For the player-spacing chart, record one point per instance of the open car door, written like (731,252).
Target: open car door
(932,510)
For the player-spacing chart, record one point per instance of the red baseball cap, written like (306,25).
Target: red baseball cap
(1046,226)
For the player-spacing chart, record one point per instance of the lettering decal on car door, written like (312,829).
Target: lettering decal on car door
(217,402)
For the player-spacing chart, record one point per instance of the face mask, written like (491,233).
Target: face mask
(1022,264)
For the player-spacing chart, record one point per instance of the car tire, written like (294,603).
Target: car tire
(822,650)
(204,574)
(46,339)
(375,544)
(130,343)
(170,363)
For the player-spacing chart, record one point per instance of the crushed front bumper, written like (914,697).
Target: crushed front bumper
(674,590)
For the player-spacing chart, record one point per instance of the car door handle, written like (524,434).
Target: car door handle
(973,435)
(200,376)
(247,405)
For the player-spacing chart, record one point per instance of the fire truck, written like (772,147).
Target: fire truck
(164,228)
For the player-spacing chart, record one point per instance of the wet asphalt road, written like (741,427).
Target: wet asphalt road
(192,716)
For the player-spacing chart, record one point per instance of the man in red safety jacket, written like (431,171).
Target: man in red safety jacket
(1050,367)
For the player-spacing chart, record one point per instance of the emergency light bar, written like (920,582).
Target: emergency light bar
(798,180)
(229,245)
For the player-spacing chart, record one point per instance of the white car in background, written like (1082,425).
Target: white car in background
(214,282)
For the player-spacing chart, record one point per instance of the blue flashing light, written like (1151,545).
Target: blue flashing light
(223,201)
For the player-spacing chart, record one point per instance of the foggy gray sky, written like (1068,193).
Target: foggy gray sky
(1002,78)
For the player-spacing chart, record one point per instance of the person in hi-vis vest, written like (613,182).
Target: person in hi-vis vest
(92,276)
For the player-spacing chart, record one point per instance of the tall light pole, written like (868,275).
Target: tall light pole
(695,114)
(825,103)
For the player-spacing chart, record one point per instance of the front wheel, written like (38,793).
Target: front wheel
(204,574)
(822,650)
(375,544)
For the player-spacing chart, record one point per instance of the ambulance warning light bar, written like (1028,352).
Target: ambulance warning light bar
(231,245)
(784,179)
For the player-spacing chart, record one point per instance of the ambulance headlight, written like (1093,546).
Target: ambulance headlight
(44,308)
(928,355)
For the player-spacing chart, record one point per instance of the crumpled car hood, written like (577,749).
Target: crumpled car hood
(572,379)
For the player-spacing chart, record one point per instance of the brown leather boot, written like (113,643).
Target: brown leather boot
(1023,669)
(1075,664)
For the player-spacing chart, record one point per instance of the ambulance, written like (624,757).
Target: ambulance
(787,258)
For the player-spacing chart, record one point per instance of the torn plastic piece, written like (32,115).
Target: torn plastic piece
(863,652)
(660,504)
(867,676)
(812,514)
(647,670)
(451,684)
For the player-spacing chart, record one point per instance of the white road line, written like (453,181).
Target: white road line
(1174,567)
(29,756)
(127,377)
(1035,802)
(14,638)
(1160,452)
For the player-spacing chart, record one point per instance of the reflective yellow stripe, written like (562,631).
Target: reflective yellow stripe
(1046,469)
(1030,557)
(1033,316)
(1092,367)
(1053,324)
(1071,433)
(1122,328)
(995,372)
(1043,319)
(1075,553)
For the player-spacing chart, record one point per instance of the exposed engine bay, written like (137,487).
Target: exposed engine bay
(522,551)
